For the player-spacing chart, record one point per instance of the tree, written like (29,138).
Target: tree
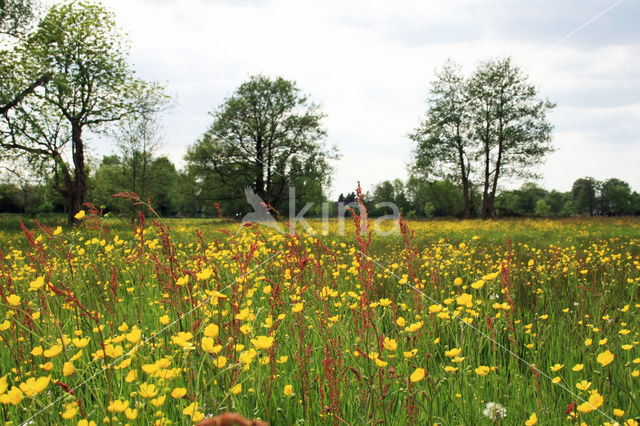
(442,147)
(138,138)
(585,192)
(90,86)
(509,122)
(15,15)
(615,197)
(268,136)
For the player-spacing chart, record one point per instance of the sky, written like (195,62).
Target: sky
(368,65)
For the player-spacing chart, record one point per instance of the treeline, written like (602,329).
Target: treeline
(419,198)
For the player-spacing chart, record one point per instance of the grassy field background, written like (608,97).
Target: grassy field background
(449,322)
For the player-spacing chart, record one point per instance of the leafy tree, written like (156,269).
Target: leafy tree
(584,195)
(542,208)
(492,123)
(556,200)
(442,146)
(615,197)
(91,85)
(509,122)
(268,136)
(15,15)
(138,139)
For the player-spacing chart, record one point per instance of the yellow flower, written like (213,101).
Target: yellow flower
(80,343)
(478,284)
(190,409)
(557,367)
(380,363)
(13,397)
(605,358)
(14,300)
(134,335)
(131,413)
(588,342)
(205,274)
(68,369)
(164,320)
(457,281)
(578,367)
(410,354)
(208,345)
(417,375)
(36,284)
(450,369)
(533,420)
(583,385)
(131,376)
(414,327)
(401,322)
(453,352)
(595,402)
(182,281)
(70,411)
(297,307)
(148,390)
(212,330)
(262,342)
(53,351)
(618,412)
(159,401)
(236,389)
(390,344)
(434,309)
(482,370)
(34,386)
(288,390)
(80,215)
(220,362)
(178,393)
(465,299)
(58,231)
(556,380)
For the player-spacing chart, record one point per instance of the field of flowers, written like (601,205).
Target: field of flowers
(448,322)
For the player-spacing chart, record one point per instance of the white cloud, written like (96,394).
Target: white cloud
(369,64)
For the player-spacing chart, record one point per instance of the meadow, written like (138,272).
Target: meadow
(444,322)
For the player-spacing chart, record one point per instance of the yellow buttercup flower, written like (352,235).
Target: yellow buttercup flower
(80,215)
(147,390)
(390,344)
(14,300)
(417,375)
(288,390)
(533,420)
(36,284)
(262,342)
(33,386)
(605,358)
(482,370)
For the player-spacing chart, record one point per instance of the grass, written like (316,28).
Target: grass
(180,319)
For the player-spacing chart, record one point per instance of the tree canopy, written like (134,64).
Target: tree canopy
(267,136)
(483,128)
(88,84)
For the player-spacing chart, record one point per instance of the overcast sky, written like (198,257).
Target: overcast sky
(369,64)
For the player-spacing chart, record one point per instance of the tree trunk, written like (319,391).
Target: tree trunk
(486,211)
(260,169)
(76,188)
(464,171)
